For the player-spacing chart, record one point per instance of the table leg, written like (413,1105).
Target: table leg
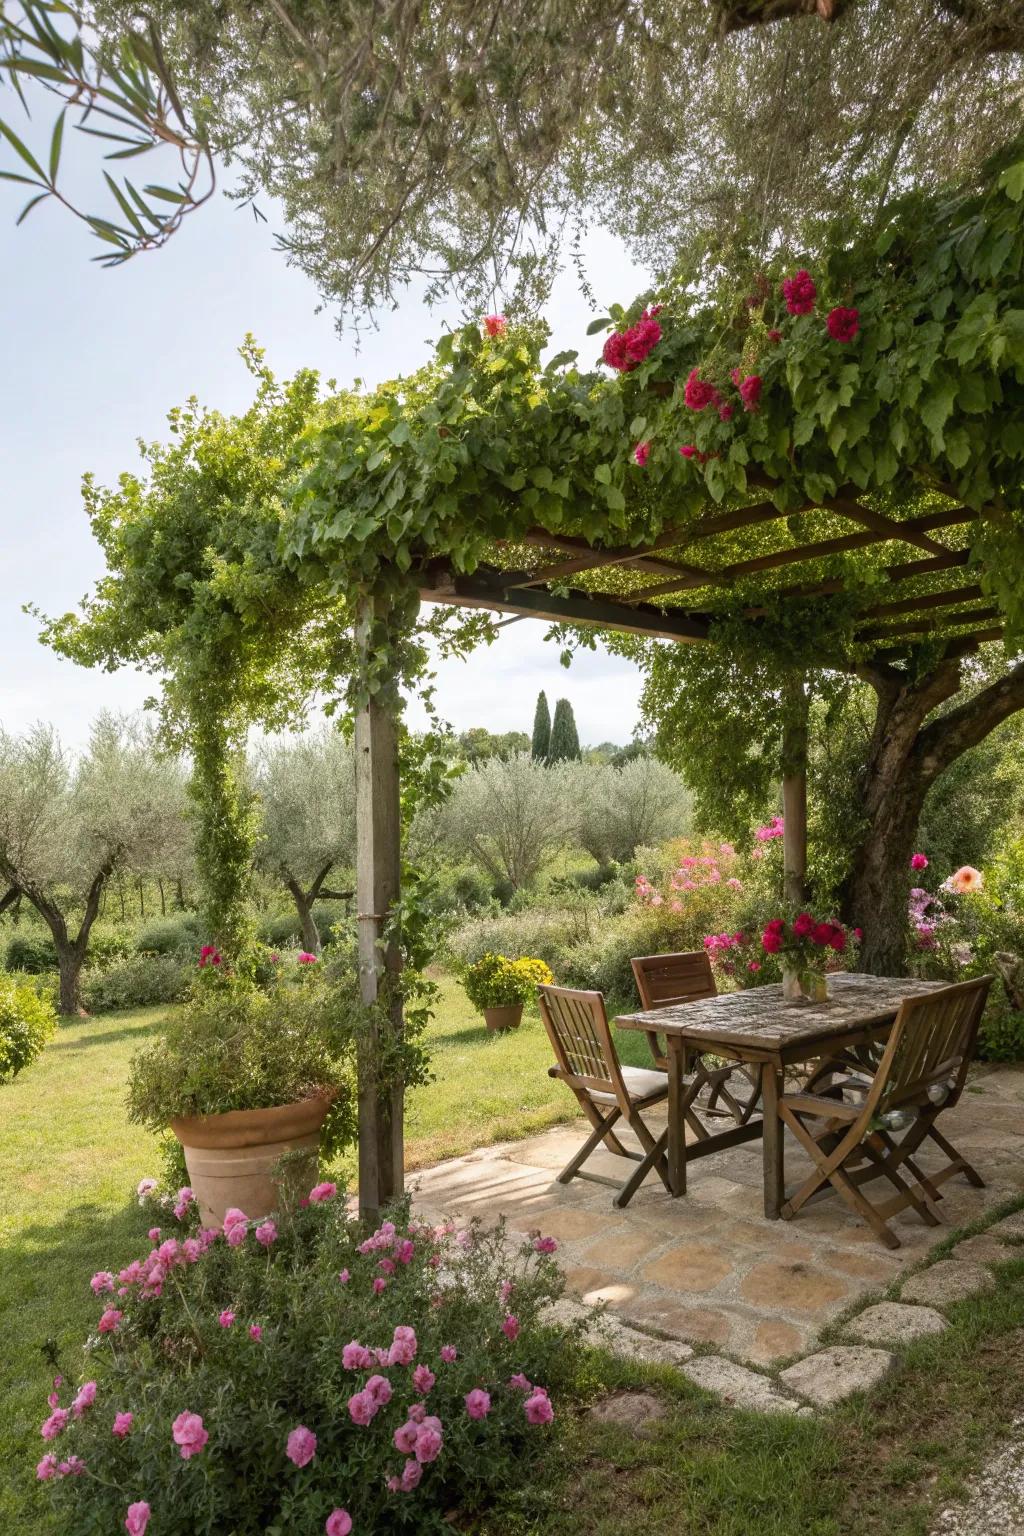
(771,1145)
(676,1121)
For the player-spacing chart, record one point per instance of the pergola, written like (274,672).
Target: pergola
(666,589)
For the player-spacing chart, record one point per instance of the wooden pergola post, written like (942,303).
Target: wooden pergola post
(378,879)
(794,793)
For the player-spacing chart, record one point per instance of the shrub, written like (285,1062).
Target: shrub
(32,952)
(139,981)
(235,1046)
(182,933)
(27,1021)
(265,1382)
(497,982)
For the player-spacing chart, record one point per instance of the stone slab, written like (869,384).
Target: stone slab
(609,1333)
(635,1411)
(947,1281)
(892,1322)
(983,1248)
(832,1375)
(739,1387)
(1011,1227)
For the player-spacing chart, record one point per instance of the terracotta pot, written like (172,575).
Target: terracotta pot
(231,1158)
(509,1016)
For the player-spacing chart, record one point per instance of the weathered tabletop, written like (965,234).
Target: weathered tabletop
(760,1020)
(759,1027)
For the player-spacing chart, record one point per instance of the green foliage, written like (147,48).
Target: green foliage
(498,982)
(540,743)
(234,1046)
(31,951)
(139,981)
(173,1352)
(564,745)
(27,1022)
(183,933)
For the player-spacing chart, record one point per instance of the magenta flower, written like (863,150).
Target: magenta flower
(235,1236)
(356,1357)
(478,1403)
(321,1192)
(918,861)
(73,1467)
(545,1244)
(423,1379)
(405,1437)
(339,1523)
(642,453)
(122,1424)
(109,1321)
(47,1468)
(429,1441)
(405,1251)
(520,1383)
(799,292)
(379,1389)
(344,1277)
(411,1474)
(403,1346)
(538,1407)
(144,1188)
(843,324)
(233,1217)
(266,1233)
(84,1398)
(137,1518)
(55,1424)
(103,1280)
(510,1328)
(255,1331)
(449,1353)
(305,958)
(189,1434)
(379,1284)
(226,1318)
(750,391)
(301,1446)
(154,1234)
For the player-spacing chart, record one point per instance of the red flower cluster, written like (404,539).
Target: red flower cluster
(623,350)
(825,935)
(699,393)
(750,391)
(209,955)
(774,337)
(691,451)
(799,292)
(495,325)
(642,453)
(843,324)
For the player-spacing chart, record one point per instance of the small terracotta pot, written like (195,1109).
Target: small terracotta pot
(509,1016)
(231,1158)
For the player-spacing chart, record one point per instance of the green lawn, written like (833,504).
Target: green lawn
(68,1167)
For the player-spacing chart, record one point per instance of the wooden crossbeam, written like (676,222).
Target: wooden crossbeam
(885,527)
(959,645)
(586,558)
(925,626)
(948,599)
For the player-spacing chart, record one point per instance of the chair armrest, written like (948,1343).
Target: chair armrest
(819,1104)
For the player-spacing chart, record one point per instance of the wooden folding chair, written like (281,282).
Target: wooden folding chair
(666,980)
(588,1064)
(920,1075)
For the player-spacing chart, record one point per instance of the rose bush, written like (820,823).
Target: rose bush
(300,1377)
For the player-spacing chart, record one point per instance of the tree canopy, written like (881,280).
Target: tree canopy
(465,145)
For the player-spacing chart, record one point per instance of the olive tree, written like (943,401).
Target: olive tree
(69,823)
(307,789)
(642,803)
(510,815)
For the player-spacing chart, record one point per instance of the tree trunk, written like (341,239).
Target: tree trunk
(304,907)
(163,899)
(794,793)
(877,890)
(69,965)
(142,901)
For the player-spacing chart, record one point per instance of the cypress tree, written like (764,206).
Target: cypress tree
(541,744)
(565,741)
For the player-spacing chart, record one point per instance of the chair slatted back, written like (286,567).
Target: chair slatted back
(581,1039)
(932,1043)
(666,979)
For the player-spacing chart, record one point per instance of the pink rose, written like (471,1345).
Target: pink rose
(255,1331)
(233,1216)
(305,958)
(73,1467)
(411,1474)
(520,1383)
(405,1251)
(379,1389)
(266,1233)
(122,1424)
(154,1234)
(538,1408)
(545,1245)
(478,1403)
(339,1523)
(510,1328)
(423,1379)
(55,1424)
(379,1284)
(301,1447)
(84,1398)
(321,1192)
(448,1353)
(109,1321)
(189,1434)
(361,1408)
(137,1518)
(344,1277)
(47,1468)
(917,861)
(356,1357)
(226,1318)
(405,1437)
(103,1280)
(428,1443)
(235,1236)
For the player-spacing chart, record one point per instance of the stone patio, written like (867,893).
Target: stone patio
(708,1268)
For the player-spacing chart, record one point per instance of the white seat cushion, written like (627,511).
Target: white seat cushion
(642,1083)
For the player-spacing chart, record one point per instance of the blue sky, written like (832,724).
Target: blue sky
(94,358)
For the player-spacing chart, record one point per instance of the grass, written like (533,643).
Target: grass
(68,1166)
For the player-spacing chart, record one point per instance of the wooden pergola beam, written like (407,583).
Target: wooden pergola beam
(948,599)
(923,626)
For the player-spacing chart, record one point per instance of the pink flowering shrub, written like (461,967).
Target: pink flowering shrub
(247,1387)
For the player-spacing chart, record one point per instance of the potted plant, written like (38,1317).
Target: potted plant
(246,1076)
(806,945)
(499,987)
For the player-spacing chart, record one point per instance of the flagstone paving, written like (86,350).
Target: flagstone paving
(709,1268)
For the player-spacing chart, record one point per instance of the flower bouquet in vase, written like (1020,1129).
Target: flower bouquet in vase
(806,946)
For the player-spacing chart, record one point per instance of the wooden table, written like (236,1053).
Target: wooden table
(759,1028)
